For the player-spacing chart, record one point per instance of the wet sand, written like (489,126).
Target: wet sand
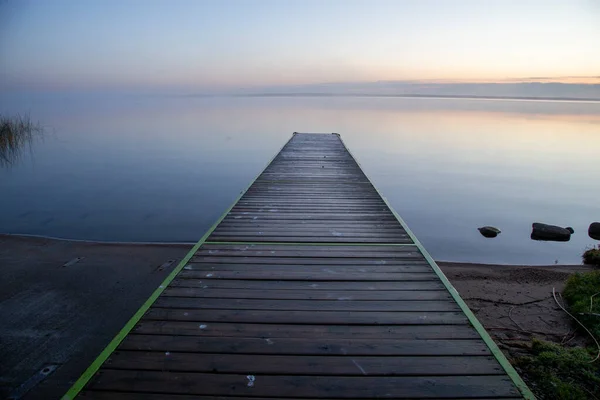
(60,312)
(515,303)
(61,302)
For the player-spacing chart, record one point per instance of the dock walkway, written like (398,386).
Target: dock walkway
(310,286)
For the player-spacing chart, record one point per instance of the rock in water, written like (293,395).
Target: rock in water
(594,230)
(550,232)
(489,231)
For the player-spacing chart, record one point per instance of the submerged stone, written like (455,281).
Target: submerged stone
(551,232)
(594,230)
(489,231)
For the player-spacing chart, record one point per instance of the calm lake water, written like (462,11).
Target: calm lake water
(136,168)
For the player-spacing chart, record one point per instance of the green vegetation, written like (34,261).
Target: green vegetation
(558,372)
(592,257)
(16,133)
(582,293)
(561,373)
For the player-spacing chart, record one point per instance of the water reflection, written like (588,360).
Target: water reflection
(163,169)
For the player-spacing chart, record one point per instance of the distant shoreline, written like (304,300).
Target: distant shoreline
(425,96)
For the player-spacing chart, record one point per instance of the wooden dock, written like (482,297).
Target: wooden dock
(310,286)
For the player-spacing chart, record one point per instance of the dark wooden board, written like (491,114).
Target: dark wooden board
(310,225)
(306,365)
(466,386)
(251,201)
(415,266)
(343,249)
(298,275)
(307,260)
(315,252)
(308,286)
(367,295)
(304,305)
(274,330)
(301,346)
(308,317)
(110,395)
(306,251)
(308,239)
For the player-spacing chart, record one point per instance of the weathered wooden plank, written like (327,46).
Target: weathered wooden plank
(382,227)
(248,226)
(304,305)
(322,177)
(277,203)
(309,239)
(283,211)
(299,197)
(316,252)
(309,286)
(308,317)
(342,251)
(251,231)
(304,386)
(414,266)
(110,395)
(305,260)
(296,346)
(309,331)
(305,365)
(303,248)
(323,211)
(309,276)
(314,191)
(359,193)
(390,295)
(332,264)
(247,200)
(242,229)
(289,251)
(323,195)
(317,217)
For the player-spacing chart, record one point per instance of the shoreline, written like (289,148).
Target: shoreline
(103,242)
(446,263)
(515,303)
(62,301)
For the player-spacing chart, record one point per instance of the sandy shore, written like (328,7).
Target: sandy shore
(515,303)
(62,301)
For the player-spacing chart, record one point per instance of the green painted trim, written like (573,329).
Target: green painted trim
(500,357)
(114,343)
(312,244)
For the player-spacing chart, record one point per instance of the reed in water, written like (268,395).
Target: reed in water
(16,134)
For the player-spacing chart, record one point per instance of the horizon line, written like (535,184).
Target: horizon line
(409,95)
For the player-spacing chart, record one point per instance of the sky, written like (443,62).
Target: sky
(75,44)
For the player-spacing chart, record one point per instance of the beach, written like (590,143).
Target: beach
(62,301)
(515,302)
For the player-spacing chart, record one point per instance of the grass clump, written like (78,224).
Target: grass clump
(592,257)
(561,373)
(582,293)
(16,132)
(558,372)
